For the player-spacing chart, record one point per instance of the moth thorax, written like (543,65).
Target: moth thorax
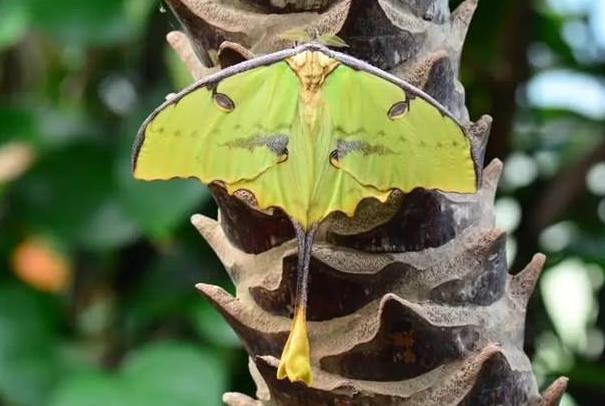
(312,68)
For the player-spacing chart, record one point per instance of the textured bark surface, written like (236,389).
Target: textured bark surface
(410,302)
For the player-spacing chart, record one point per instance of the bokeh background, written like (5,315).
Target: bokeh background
(97,304)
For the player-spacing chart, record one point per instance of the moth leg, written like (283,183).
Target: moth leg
(295,362)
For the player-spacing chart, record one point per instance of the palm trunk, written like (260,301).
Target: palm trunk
(410,302)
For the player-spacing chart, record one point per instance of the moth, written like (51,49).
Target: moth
(311,131)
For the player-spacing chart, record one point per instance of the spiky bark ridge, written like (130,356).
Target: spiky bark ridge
(410,301)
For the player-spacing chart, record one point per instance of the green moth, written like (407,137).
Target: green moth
(311,131)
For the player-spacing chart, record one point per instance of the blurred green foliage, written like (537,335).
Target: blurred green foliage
(538,67)
(76,80)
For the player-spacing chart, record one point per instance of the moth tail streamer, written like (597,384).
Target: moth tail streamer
(295,362)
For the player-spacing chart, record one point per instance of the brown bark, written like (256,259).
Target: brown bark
(410,302)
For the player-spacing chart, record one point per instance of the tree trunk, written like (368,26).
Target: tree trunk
(410,302)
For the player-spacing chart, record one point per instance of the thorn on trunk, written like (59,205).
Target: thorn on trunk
(553,394)
(523,284)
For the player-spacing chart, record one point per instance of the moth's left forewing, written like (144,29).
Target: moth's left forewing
(226,130)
